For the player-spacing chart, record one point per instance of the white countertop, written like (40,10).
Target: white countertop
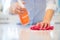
(14,32)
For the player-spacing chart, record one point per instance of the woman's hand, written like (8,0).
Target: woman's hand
(43,24)
(47,18)
(15,8)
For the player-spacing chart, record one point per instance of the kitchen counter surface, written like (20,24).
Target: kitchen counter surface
(14,32)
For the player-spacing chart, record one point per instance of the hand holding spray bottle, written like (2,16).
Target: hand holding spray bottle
(23,15)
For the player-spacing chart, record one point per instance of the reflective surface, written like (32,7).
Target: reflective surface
(14,32)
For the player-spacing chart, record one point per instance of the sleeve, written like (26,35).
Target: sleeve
(51,4)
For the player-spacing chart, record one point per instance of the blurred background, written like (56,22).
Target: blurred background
(12,33)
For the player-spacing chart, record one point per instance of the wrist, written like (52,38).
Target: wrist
(46,21)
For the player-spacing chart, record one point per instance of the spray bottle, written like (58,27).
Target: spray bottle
(24,18)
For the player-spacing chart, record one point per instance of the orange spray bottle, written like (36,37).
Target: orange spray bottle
(23,15)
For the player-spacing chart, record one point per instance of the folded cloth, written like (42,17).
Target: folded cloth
(38,27)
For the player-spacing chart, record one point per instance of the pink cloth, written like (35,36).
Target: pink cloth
(38,27)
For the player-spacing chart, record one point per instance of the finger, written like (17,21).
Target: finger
(37,24)
(23,2)
(45,25)
(42,25)
(48,26)
(18,11)
(18,6)
(12,10)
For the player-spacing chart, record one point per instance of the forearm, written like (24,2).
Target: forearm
(48,15)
